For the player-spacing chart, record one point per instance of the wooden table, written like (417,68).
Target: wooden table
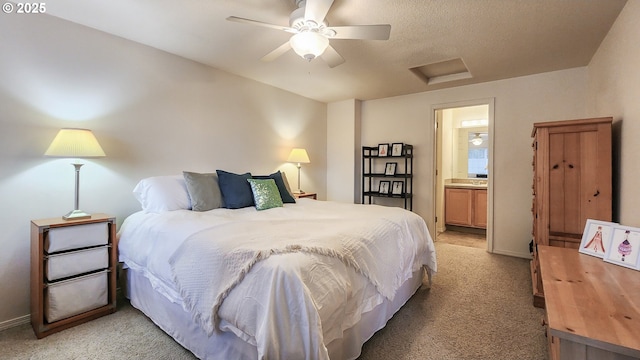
(306,195)
(592,307)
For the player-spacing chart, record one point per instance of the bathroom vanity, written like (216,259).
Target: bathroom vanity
(465,203)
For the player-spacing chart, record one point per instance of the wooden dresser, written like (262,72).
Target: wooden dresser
(571,183)
(592,307)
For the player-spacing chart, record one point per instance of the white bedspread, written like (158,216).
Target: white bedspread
(285,291)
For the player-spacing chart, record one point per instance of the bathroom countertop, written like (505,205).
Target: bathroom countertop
(466,183)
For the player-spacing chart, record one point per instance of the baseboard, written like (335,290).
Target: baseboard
(15,322)
(512,253)
(465,229)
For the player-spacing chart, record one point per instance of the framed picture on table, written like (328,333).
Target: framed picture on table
(624,247)
(596,237)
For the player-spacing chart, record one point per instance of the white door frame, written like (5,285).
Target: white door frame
(491,103)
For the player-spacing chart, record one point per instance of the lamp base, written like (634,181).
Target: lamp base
(299,192)
(76,215)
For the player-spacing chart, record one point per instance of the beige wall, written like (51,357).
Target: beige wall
(343,149)
(614,90)
(519,103)
(153,113)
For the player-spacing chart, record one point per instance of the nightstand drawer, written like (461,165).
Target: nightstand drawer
(74,237)
(63,265)
(75,296)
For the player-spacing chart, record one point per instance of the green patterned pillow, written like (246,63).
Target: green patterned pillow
(265,193)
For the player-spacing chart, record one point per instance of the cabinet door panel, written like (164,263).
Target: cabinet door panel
(594,201)
(480,208)
(458,207)
(573,223)
(556,183)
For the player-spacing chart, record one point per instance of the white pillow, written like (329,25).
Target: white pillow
(162,193)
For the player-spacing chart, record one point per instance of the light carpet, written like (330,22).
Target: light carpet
(479,307)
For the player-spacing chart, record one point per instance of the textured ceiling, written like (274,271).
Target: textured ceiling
(496,39)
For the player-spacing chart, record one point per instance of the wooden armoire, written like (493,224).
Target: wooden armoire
(571,183)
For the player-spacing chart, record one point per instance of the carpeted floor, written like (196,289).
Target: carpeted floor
(477,240)
(479,307)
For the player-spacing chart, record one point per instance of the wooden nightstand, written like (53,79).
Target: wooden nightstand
(73,272)
(313,196)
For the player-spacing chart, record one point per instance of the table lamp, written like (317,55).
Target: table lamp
(298,156)
(75,143)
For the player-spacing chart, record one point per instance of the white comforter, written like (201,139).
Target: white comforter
(289,303)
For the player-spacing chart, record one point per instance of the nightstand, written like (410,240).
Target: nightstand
(313,196)
(73,272)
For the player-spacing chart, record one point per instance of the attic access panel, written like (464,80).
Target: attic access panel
(443,71)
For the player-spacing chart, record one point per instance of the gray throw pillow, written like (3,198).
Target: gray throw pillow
(204,191)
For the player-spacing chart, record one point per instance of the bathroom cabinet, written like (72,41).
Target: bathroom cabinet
(466,207)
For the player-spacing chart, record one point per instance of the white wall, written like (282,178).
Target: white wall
(614,90)
(152,112)
(519,103)
(343,148)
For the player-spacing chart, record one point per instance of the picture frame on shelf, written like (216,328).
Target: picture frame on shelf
(383,150)
(596,237)
(383,187)
(397,188)
(624,248)
(390,168)
(397,149)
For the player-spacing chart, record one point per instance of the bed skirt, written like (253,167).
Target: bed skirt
(176,322)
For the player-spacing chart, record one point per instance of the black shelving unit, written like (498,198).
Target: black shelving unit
(372,163)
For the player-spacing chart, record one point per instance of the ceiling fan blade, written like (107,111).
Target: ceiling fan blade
(364,32)
(317,10)
(263,24)
(331,57)
(277,52)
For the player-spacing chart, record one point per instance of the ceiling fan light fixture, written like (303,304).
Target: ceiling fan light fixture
(477,140)
(309,44)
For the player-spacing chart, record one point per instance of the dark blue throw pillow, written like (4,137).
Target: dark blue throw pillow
(235,189)
(282,188)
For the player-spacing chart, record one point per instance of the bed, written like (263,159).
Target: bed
(306,279)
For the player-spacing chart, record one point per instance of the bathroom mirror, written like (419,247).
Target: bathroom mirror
(471,153)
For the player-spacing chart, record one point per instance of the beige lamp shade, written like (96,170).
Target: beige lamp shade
(75,143)
(299,156)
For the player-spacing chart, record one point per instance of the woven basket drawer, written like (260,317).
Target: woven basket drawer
(63,265)
(75,296)
(75,237)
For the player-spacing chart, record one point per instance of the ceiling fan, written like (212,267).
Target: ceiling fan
(312,33)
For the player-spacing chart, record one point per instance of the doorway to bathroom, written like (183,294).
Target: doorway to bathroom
(463,173)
